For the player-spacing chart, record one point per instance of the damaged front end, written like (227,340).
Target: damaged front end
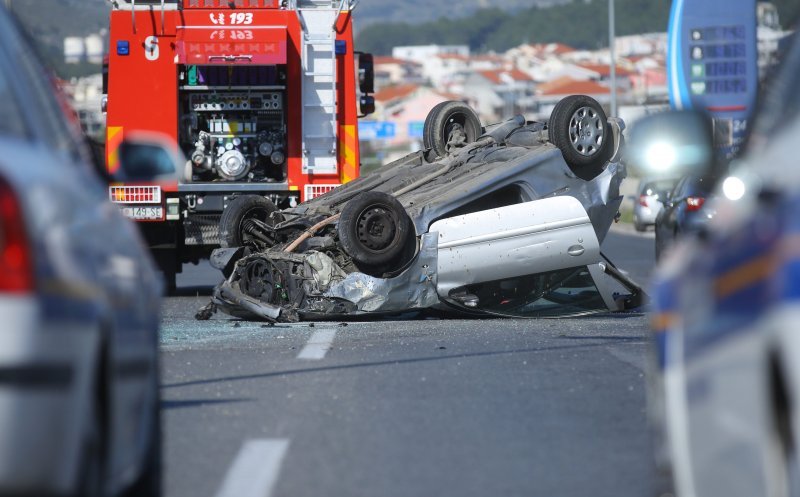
(502,225)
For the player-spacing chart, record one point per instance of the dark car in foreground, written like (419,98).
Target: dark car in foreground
(79,306)
(503,220)
(684,211)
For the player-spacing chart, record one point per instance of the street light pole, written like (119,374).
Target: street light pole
(613,62)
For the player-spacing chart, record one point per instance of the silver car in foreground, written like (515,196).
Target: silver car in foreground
(79,307)
(503,220)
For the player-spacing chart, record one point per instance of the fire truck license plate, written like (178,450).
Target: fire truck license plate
(144,212)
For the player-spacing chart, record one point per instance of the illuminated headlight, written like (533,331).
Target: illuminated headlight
(173,209)
(661,156)
(733,188)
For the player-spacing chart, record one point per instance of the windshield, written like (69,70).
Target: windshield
(569,291)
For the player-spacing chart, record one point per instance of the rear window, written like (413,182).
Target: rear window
(11,119)
(660,188)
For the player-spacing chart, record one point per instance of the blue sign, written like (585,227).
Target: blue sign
(712,64)
(375,130)
(415,129)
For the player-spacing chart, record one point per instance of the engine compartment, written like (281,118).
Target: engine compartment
(233,123)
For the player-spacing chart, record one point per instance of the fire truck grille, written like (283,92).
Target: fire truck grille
(202,229)
(135,194)
(314,191)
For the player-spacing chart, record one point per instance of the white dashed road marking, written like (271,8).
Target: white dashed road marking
(255,469)
(318,345)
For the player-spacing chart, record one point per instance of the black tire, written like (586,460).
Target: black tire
(231,224)
(167,262)
(148,484)
(94,452)
(374,230)
(445,119)
(578,127)
(639,227)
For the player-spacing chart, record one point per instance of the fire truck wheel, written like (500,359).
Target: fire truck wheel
(579,128)
(232,226)
(450,125)
(374,229)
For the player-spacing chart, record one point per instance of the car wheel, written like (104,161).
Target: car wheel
(92,468)
(374,229)
(578,127)
(639,226)
(450,125)
(782,451)
(149,482)
(232,224)
(167,261)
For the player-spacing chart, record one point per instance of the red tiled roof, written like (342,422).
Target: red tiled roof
(569,86)
(394,92)
(488,57)
(553,48)
(496,76)
(604,70)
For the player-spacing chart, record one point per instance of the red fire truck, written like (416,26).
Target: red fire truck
(262,97)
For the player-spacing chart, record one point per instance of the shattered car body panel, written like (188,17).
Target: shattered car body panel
(532,237)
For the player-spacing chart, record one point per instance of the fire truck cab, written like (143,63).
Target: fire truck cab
(261,96)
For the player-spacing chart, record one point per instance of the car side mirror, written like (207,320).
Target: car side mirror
(147,157)
(672,144)
(366,73)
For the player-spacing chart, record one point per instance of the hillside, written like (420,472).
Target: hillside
(579,23)
(383,24)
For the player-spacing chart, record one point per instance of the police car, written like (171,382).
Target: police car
(725,380)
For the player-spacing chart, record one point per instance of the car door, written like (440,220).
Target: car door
(514,260)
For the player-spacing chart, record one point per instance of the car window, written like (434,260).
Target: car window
(12,121)
(678,190)
(658,188)
(555,293)
(142,161)
(39,86)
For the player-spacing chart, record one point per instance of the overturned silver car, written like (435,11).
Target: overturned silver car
(504,220)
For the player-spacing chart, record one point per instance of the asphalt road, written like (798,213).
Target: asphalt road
(496,407)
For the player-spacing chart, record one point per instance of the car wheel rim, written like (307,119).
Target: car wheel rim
(586,131)
(376,228)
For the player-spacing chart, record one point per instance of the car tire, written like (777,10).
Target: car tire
(639,226)
(92,466)
(374,230)
(167,262)
(578,127)
(232,231)
(448,118)
(149,482)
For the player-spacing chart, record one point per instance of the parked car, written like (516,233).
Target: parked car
(650,200)
(505,220)
(724,387)
(79,403)
(684,211)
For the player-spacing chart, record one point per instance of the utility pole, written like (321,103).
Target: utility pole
(612,53)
